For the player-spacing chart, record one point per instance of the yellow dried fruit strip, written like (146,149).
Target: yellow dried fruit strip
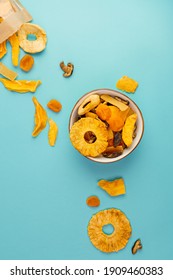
(14,41)
(6,72)
(113,188)
(21,86)
(127,84)
(3,49)
(53,132)
(128,129)
(114,102)
(40,117)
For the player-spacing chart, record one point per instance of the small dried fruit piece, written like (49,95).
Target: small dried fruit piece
(40,117)
(109,242)
(103,111)
(21,86)
(109,99)
(116,122)
(112,152)
(113,188)
(88,104)
(6,72)
(93,201)
(127,84)
(128,129)
(78,133)
(137,246)
(53,132)
(54,105)
(68,69)
(3,49)
(14,41)
(32,46)
(26,63)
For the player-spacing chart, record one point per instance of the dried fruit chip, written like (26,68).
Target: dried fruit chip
(88,104)
(78,133)
(103,111)
(127,84)
(114,102)
(93,201)
(40,118)
(21,86)
(54,105)
(128,129)
(137,246)
(32,46)
(6,72)
(113,188)
(14,41)
(53,131)
(112,242)
(116,121)
(3,49)
(26,62)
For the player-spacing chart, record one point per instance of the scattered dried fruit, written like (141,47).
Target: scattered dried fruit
(3,49)
(113,188)
(68,69)
(78,133)
(21,86)
(40,117)
(32,46)
(128,129)
(54,105)
(14,41)
(6,72)
(137,246)
(127,84)
(112,242)
(93,201)
(89,104)
(53,131)
(26,63)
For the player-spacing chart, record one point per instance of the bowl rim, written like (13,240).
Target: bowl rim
(126,98)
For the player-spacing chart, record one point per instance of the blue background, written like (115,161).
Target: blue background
(43,189)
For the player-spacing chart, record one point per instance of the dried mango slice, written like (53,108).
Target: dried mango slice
(53,131)
(14,41)
(114,102)
(21,86)
(91,126)
(103,111)
(3,49)
(6,72)
(116,121)
(40,117)
(127,84)
(109,242)
(113,188)
(128,129)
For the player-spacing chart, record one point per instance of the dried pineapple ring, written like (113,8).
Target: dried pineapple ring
(88,104)
(34,46)
(78,132)
(114,241)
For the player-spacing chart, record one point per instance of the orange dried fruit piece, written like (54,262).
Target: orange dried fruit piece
(127,84)
(93,201)
(54,105)
(97,130)
(21,86)
(14,41)
(6,72)
(113,188)
(3,49)
(103,112)
(53,132)
(40,117)
(128,129)
(26,63)
(109,242)
(116,121)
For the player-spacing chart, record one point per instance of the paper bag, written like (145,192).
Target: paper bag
(12,16)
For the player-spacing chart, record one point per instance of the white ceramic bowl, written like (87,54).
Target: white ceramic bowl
(139,123)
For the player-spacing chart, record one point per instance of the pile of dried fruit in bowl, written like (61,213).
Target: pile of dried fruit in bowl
(105,126)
